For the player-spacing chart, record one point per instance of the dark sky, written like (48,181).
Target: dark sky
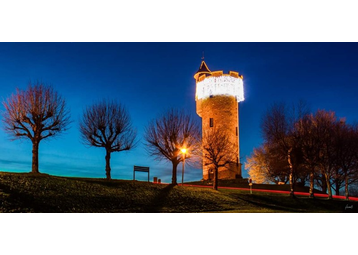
(149,78)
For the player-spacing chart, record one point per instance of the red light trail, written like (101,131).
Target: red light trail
(275,191)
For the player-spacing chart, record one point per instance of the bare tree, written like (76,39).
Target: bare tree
(218,151)
(278,132)
(319,133)
(310,146)
(346,145)
(325,123)
(329,149)
(169,133)
(317,145)
(258,166)
(36,113)
(107,125)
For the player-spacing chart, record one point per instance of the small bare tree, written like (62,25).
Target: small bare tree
(258,167)
(36,113)
(107,125)
(166,135)
(218,151)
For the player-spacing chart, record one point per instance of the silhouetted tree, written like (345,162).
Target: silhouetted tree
(107,125)
(36,113)
(325,124)
(346,145)
(218,151)
(329,150)
(167,134)
(278,132)
(310,146)
(318,145)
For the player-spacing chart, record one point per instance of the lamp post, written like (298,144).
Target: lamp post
(183,151)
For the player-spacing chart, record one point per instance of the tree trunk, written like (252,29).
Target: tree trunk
(108,166)
(292,194)
(337,187)
(215,183)
(328,186)
(311,185)
(337,180)
(346,188)
(35,157)
(174,173)
(324,183)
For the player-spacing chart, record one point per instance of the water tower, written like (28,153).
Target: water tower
(217,103)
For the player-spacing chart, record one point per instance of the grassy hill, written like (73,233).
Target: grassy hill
(21,192)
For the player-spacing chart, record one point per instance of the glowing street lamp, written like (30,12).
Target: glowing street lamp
(183,152)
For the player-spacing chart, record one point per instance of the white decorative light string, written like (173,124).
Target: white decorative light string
(223,85)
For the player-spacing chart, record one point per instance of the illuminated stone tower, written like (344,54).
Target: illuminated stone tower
(217,103)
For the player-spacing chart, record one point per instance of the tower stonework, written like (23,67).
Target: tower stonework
(217,97)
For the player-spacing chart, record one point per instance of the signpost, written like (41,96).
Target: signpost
(140,169)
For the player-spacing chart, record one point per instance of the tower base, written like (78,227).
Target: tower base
(227,173)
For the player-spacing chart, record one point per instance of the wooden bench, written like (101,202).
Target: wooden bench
(140,169)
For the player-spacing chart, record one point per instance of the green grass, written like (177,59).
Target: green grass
(21,192)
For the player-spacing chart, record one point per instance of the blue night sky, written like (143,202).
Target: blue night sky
(149,78)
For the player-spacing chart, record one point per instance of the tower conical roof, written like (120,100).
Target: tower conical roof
(202,69)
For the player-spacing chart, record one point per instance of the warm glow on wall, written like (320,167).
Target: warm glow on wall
(222,85)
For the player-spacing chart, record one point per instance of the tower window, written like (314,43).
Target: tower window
(211,122)
(236,131)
